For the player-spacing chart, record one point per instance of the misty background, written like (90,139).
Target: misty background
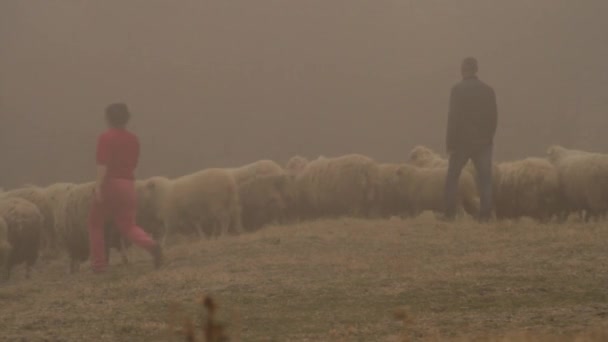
(226,82)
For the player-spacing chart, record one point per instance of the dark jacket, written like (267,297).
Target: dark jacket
(472,116)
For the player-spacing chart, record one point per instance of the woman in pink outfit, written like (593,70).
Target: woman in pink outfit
(115,197)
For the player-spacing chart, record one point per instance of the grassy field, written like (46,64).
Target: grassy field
(335,280)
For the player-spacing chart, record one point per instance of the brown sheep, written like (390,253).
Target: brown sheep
(206,202)
(24,225)
(74,231)
(528,187)
(256,169)
(390,200)
(37,196)
(424,157)
(583,178)
(152,195)
(57,195)
(339,186)
(262,201)
(424,189)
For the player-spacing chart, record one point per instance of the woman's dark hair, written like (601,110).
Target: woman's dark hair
(117,114)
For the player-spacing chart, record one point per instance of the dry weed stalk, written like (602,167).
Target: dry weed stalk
(189,332)
(211,330)
(174,308)
(406,319)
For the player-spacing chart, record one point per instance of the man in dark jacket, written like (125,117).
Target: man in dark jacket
(472,120)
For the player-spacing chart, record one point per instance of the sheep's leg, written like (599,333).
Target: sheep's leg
(217,229)
(163,234)
(163,239)
(544,218)
(229,225)
(10,263)
(7,271)
(235,223)
(199,230)
(107,250)
(562,217)
(74,266)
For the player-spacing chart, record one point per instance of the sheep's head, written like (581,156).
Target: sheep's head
(404,172)
(296,164)
(555,152)
(421,154)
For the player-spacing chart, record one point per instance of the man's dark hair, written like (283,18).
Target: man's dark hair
(469,64)
(117,114)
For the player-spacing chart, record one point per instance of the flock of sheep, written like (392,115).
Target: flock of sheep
(215,201)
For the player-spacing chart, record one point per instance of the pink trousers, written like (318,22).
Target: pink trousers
(119,204)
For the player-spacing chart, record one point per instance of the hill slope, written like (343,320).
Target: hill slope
(332,280)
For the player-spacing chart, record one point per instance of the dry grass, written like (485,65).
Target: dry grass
(339,280)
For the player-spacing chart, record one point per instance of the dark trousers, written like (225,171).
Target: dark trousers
(482,160)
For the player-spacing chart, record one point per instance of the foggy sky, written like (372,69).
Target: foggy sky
(223,83)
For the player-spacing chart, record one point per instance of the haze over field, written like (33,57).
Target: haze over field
(222,83)
(344,248)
